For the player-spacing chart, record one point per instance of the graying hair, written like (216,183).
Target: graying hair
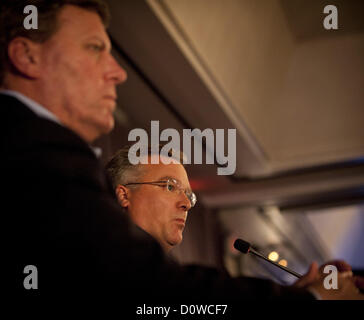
(121,171)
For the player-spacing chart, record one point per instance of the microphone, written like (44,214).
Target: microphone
(245,247)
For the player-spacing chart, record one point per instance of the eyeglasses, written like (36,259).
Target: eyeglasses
(173,186)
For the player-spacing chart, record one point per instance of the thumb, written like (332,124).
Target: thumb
(309,277)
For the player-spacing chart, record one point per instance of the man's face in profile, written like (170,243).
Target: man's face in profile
(80,73)
(156,210)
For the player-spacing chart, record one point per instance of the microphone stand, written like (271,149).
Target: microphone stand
(251,250)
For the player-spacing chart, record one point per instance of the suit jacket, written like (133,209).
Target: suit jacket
(60,215)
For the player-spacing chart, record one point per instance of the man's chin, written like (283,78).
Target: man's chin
(107,126)
(176,240)
(102,129)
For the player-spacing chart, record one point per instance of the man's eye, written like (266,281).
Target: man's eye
(171,187)
(95,47)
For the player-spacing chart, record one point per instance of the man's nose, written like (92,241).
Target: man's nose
(116,73)
(184,202)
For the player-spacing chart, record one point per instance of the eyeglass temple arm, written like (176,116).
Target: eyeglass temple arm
(151,182)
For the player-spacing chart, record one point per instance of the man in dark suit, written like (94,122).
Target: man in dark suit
(58,94)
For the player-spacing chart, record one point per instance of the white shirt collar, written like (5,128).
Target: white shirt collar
(42,112)
(39,110)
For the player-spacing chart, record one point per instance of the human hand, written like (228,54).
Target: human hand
(346,287)
(313,274)
(344,267)
(310,277)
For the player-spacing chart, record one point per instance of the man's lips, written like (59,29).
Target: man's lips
(112,97)
(180,220)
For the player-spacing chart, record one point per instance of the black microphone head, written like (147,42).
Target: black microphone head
(242,245)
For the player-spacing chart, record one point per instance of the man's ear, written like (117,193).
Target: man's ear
(122,193)
(24,55)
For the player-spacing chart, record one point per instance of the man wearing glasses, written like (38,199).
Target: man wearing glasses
(157,197)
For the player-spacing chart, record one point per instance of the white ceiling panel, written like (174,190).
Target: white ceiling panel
(291,88)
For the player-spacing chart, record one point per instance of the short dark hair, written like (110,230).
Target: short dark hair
(12,17)
(121,171)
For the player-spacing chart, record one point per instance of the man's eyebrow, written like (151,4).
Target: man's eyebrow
(168,177)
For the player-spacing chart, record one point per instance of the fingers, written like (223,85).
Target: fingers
(348,289)
(341,265)
(311,276)
(343,288)
(346,274)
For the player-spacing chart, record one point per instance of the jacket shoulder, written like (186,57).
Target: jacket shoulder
(23,129)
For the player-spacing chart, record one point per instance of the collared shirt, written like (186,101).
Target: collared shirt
(39,110)
(42,112)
